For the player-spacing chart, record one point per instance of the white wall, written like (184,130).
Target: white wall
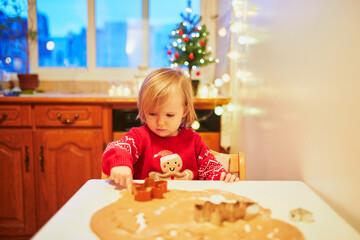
(299,116)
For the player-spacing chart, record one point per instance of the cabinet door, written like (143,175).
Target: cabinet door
(66,159)
(17,197)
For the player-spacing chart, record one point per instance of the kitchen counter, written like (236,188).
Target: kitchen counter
(115,102)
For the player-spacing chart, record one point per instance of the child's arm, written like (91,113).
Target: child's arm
(118,159)
(211,169)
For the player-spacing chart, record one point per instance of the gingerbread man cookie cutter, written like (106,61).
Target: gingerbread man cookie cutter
(149,189)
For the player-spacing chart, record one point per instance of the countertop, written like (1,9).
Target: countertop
(130,102)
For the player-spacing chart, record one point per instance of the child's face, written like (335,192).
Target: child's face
(165,122)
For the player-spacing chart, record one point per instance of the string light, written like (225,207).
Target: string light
(219,110)
(218,82)
(8,60)
(203,91)
(50,45)
(243,40)
(195,125)
(230,107)
(225,77)
(222,32)
(234,55)
(237,27)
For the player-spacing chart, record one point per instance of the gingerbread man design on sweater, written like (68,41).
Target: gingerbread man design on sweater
(171,165)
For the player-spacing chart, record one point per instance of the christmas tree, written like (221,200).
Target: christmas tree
(189,46)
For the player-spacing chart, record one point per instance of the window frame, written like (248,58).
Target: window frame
(93,73)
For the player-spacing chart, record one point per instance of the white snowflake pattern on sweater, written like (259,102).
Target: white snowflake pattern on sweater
(210,167)
(124,143)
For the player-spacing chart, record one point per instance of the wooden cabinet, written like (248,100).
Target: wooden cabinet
(47,152)
(50,146)
(17,198)
(67,158)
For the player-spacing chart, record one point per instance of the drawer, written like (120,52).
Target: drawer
(15,116)
(68,115)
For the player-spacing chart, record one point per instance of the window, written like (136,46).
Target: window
(119,34)
(97,39)
(162,22)
(13,26)
(62,29)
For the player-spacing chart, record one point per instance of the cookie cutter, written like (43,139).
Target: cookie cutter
(149,189)
(301,215)
(231,212)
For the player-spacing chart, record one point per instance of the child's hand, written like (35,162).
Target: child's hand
(122,175)
(228,177)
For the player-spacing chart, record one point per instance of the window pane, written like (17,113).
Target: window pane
(164,17)
(13,26)
(118,33)
(62,29)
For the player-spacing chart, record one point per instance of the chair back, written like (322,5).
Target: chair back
(233,163)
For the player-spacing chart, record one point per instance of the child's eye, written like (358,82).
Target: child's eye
(170,115)
(152,114)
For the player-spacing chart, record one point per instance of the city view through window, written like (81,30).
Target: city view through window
(62,33)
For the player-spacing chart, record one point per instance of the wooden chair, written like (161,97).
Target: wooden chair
(233,163)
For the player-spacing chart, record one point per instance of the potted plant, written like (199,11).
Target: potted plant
(189,46)
(19,32)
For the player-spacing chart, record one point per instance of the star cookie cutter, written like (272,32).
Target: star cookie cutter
(149,189)
(218,213)
(301,215)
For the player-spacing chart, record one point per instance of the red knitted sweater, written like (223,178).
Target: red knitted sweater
(184,156)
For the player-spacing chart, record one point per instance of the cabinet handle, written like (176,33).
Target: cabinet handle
(4,116)
(67,120)
(27,159)
(42,159)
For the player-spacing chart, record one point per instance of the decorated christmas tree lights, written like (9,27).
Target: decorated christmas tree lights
(189,46)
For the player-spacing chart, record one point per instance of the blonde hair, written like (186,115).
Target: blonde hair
(157,88)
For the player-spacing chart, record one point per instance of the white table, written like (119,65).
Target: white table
(72,221)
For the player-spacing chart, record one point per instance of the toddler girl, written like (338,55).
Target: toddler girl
(164,147)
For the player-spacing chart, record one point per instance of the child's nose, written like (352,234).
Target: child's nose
(160,120)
